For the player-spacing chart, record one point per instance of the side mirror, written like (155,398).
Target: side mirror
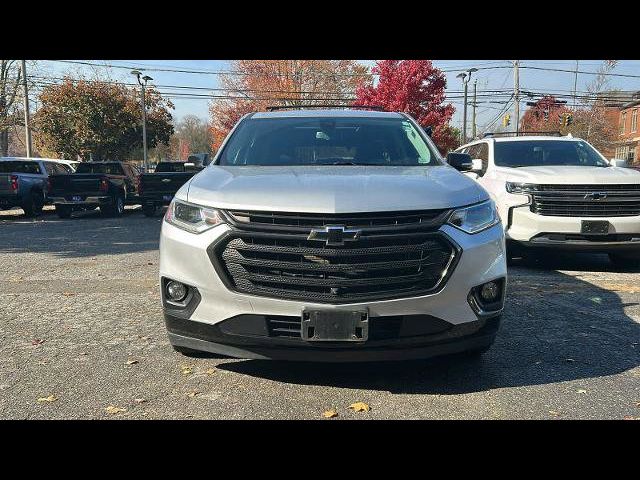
(460,161)
(617,162)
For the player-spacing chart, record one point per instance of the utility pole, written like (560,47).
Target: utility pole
(465,76)
(475,92)
(516,93)
(575,86)
(143,83)
(27,126)
(464,114)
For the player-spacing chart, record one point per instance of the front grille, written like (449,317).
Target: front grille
(397,254)
(585,200)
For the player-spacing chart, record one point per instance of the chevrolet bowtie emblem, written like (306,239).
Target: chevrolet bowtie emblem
(334,235)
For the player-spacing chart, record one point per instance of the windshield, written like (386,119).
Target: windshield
(327,141)
(19,167)
(538,153)
(107,168)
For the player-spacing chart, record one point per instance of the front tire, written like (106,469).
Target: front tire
(625,260)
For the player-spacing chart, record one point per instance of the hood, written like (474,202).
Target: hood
(575,175)
(333,189)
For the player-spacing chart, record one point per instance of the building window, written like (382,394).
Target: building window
(623,120)
(634,120)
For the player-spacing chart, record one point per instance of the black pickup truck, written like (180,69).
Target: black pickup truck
(108,185)
(157,189)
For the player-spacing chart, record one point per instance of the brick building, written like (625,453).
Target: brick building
(628,144)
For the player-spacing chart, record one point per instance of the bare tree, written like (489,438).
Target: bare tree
(10,81)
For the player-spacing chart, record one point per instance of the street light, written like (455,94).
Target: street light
(465,76)
(143,83)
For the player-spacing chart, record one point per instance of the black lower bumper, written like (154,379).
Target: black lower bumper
(392,338)
(622,243)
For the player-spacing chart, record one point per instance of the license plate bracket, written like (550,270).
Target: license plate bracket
(595,227)
(77,198)
(335,325)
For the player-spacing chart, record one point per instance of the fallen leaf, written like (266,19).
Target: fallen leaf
(37,341)
(210,371)
(149,263)
(140,400)
(111,410)
(638,404)
(83,353)
(193,393)
(131,362)
(50,398)
(569,360)
(581,391)
(538,362)
(360,407)
(330,413)
(187,369)
(597,300)
(68,294)
(554,413)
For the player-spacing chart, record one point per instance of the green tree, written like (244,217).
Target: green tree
(100,119)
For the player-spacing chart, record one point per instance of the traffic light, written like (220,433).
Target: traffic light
(506,120)
(566,119)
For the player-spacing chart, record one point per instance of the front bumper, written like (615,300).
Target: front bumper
(184,257)
(528,229)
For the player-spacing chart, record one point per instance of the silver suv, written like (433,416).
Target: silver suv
(331,235)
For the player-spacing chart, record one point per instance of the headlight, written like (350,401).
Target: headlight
(475,218)
(192,218)
(519,188)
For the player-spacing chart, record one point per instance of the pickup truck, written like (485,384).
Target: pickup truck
(23,183)
(157,189)
(108,185)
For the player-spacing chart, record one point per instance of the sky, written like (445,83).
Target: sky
(492,75)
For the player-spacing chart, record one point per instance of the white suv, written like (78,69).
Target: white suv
(558,192)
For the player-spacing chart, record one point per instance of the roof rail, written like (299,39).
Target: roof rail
(272,108)
(520,134)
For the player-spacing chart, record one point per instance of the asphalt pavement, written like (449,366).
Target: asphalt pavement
(82,336)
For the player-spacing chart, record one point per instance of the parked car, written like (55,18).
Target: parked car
(23,183)
(157,189)
(559,193)
(108,185)
(331,235)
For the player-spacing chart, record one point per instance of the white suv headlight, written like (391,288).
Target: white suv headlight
(475,218)
(192,218)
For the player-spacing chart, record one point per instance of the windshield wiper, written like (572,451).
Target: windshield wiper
(342,162)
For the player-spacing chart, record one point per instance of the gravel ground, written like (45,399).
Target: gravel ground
(80,320)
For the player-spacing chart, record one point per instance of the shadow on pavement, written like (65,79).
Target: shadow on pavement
(86,234)
(556,328)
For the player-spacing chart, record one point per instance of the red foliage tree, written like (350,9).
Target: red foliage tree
(544,116)
(417,88)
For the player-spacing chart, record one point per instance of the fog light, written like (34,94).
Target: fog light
(176,291)
(489,291)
